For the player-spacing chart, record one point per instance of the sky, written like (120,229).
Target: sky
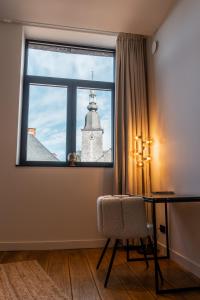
(48,104)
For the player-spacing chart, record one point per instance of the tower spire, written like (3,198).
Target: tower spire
(92,133)
(92,98)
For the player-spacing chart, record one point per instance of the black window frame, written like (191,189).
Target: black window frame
(72,86)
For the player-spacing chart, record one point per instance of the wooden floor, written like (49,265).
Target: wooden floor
(74,272)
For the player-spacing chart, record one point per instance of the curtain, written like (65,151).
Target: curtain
(131,114)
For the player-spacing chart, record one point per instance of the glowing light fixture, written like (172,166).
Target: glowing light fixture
(142,150)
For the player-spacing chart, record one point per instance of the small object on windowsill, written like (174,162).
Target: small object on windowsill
(72,158)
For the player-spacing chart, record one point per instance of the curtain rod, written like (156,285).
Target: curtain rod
(61,27)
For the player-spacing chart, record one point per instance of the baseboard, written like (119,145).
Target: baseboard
(184,261)
(49,245)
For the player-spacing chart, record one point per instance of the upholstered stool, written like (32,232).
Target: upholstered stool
(120,217)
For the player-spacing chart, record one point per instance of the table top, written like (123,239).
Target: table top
(170,198)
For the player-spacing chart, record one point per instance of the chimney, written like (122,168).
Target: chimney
(32,131)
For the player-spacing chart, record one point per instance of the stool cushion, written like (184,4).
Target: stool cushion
(121,216)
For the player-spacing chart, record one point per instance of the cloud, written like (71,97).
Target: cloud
(47,113)
(67,65)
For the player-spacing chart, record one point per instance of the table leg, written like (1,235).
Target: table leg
(167,230)
(155,248)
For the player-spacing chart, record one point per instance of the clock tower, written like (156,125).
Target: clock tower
(92,133)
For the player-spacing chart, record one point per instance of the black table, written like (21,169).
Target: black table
(166,199)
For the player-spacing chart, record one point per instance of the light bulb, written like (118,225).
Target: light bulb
(138,138)
(149,141)
(148,158)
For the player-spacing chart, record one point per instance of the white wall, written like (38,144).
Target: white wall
(175,124)
(40,207)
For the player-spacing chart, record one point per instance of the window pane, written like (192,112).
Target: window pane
(52,61)
(93,125)
(46,137)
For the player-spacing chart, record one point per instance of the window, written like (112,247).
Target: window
(68,103)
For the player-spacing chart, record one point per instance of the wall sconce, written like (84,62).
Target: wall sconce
(142,150)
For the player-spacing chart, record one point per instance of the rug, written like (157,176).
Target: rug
(27,280)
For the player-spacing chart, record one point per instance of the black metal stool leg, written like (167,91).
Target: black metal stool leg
(127,250)
(111,262)
(150,241)
(144,251)
(103,253)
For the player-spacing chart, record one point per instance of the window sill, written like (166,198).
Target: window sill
(65,165)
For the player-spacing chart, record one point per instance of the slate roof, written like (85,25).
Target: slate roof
(106,157)
(36,151)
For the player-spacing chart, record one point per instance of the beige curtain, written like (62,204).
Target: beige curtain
(131,114)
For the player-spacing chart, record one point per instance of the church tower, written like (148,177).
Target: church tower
(92,133)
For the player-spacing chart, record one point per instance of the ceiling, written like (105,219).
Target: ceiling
(136,16)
